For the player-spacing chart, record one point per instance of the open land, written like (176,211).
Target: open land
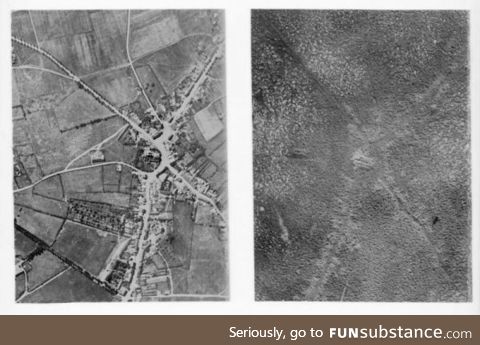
(361,155)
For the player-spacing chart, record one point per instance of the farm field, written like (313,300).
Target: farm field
(42,225)
(87,247)
(23,245)
(207,261)
(43,267)
(183,232)
(71,286)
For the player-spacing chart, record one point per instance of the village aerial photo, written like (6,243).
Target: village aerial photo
(119,143)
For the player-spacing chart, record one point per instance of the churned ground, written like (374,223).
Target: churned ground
(361,155)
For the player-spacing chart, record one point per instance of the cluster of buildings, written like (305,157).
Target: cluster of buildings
(155,280)
(161,194)
(103,216)
(187,83)
(97,156)
(122,272)
(199,184)
(159,255)
(147,159)
(120,277)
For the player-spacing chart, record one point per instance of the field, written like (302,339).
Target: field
(89,41)
(203,214)
(180,280)
(171,64)
(215,150)
(61,121)
(125,185)
(110,175)
(212,91)
(50,188)
(71,286)
(42,225)
(207,273)
(33,84)
(83,181)
(87,247)
(44,138)
(77,109)
(70,22)
(152,30)
(183,232)
(170,75)
(110,31)
(116,151)
(118,86)
(113,151)
(208,123)
(88,136)
(153,87)
(44,267)
(102,179)
(54,149)
(23,245)
(204,21)
(212,145)
(22,27)
(208,266)
(19,284)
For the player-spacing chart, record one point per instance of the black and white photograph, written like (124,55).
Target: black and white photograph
(361,155)
(119,155)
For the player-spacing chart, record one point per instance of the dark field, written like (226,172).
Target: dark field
(23,245)
(44,267)
(44,226)
(70,286)
(208,271)
(87,247)
(361,155)
(181,239)
(19,284)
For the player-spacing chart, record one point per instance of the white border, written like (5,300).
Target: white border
(239,166)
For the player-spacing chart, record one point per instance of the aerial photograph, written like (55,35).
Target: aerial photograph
(361,149)
(119,156)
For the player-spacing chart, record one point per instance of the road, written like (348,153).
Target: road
(134,285)
(29,292)
(181,111)
(75,169)
(46,70)
(96,146)
(127,48)
(195,192)
(88,89)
